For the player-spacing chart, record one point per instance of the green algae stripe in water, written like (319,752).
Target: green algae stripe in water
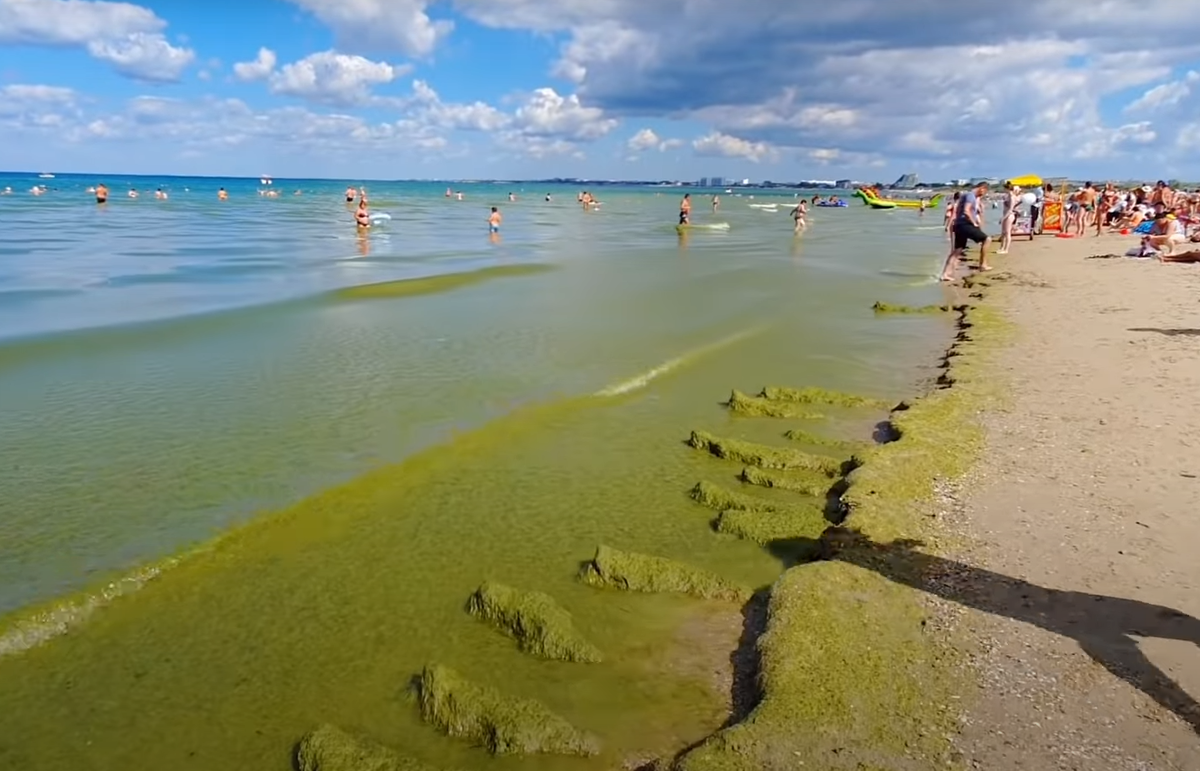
(800,436)
(331,749)
(819,396)
(765,456)
(888,308)
(883,694)
(502,724)
(613,569)
(412,287)
(772,527)
(759,407)
(720,499)
(538,623)
(804,482)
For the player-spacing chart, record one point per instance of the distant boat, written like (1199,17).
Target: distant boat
(45,176)
(265,180)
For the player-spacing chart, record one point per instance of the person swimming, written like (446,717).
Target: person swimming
(351,194)
(160,194)
(362,216)
(494,220)
(133,193)
(222,195)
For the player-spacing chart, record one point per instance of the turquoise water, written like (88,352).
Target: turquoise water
(172,368)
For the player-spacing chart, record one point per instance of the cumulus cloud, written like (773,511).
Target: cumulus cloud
(429,108)
(126,36)
(869,77)
(331,78)
(726,146)
(380,26)
(646,139)
(260,68)
(24,107)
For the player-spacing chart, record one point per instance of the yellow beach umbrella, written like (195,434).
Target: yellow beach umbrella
(1029,180)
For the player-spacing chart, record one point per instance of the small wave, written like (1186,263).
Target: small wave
(640,381)
(59,619)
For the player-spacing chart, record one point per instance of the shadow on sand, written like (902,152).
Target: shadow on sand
(1105,627)
(1181,332)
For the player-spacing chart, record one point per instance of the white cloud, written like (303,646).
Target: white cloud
(143,56)
(873,78)
(646,139)
(1165,94)
(380,26)
(332,78)
(724,145)
(546,113)
(25,107)
(476,116)
(260,68)
(126,36)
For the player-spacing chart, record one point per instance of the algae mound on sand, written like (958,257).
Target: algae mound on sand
(331,749)
(503,725)
(760,407)
(615,569)
(765,456)
(769,527)
(539,624)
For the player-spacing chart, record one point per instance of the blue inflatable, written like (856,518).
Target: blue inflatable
(834,204)
(1144,228)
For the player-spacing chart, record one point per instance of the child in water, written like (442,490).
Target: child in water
(494,220)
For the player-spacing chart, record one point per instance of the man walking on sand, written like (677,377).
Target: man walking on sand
(966,228)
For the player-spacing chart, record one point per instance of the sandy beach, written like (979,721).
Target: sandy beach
(1085,629)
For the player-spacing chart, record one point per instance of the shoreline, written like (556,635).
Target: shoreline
(869,592)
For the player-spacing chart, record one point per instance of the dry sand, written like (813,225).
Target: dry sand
(1084,583)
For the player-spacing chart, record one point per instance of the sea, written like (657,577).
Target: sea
(253,462)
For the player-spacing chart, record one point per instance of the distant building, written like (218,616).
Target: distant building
(844,184)
(703,182)
(716,181)
(906,181)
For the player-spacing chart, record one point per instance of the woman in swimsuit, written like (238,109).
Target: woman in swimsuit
(362,217)
(1008,217)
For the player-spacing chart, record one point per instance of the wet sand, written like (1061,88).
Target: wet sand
(1085,634)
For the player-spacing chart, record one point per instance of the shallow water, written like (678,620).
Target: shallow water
(172,368)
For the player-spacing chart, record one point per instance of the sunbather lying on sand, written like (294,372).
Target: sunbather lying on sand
(1191,256)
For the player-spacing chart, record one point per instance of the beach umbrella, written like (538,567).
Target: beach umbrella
(1029,180)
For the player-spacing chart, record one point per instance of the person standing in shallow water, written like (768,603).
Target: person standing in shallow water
(102,193)
(685,209)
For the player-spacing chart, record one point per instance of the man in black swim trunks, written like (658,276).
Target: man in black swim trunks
(966,229)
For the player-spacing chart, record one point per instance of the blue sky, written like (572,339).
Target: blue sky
(673,89)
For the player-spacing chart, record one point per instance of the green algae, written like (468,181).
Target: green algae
(813,395)
(501,724)
(768,527)
(759,407)
(412,287)
(800,436)
(766,456)
(628,571)
(848,675)
(720,499)
(888,308)
(329,748)
(803,482)
(539,624)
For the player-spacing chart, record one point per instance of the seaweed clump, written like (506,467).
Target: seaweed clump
(881,699)
(765,456)
(632,572)
(502,725)
(539,624)
(803,482)
(718,498)
(329,748)
(813,395)
(769,527)
(888,308)
(761,407)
